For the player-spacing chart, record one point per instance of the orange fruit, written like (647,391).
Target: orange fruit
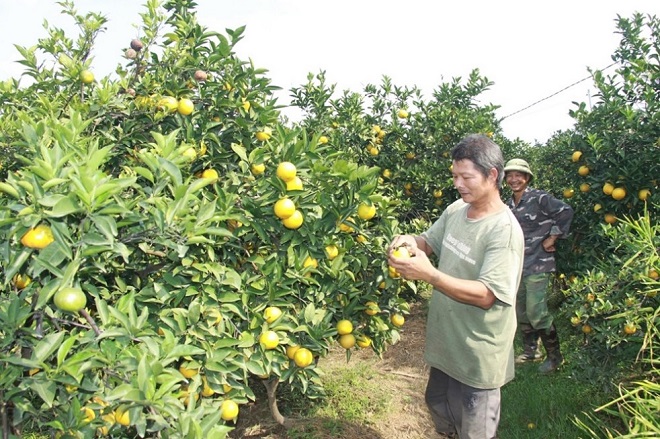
(608,188)
(584,187)
(228,410)
(643,194)
(210,173)
(258,168)
(185,106)
(38,237)
(272,313)
(619,193)
(291,351)
(366,211)
(168,103)
(568,193)
(363,341)
(372,308)
(303,357)
(610,218)
(269,340)
(323,139)
(188,372)
(576,156)
(347,341)
(583,170)
(397,320)
(294,221)
(86,77)
(331,251)
(286,171)
(310,262)
(284,208)
(344,327)
(295,184)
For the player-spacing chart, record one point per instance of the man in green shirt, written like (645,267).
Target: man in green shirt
(471,319)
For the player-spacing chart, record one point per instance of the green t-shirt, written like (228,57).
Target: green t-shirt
(468,343)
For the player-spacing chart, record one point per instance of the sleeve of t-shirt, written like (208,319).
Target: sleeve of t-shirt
(434,235)
(502,266)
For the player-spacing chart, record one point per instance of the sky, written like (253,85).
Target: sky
(529,50)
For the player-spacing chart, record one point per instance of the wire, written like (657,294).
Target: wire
(556,93)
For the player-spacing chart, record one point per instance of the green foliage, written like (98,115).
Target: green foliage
(412,149)
(176,264)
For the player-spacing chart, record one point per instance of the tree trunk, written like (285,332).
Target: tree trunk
(271,390)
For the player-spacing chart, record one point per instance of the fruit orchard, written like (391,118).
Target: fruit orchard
(169,241)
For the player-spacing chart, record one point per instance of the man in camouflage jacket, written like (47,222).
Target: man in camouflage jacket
(543,219)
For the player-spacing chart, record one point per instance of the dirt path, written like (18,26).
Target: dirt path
(401,372)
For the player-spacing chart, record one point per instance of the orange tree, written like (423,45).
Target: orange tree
(607,169)
(167,242)
(406,135)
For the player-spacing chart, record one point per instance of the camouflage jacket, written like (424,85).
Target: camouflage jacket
(540,215)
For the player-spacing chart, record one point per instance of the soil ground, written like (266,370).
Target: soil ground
(402,372)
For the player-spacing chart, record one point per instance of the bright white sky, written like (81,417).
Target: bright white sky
(530,50)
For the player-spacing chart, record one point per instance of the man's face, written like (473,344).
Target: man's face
(517,180)
(470,183)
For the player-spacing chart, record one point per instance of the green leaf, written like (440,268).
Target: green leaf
(64,349)
(46,390)
(46,346)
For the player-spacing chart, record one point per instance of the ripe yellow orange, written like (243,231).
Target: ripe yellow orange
(228,410)
(246,105)
(226,388)
(258,168)
(294,185)
(397,320)
(206,389)
(310,262)
(408,186)
(597,207)
(366,211)
(190,153)
(38,237)
(284,208)
(653,274)
(303,357)
(263,135)
(437,193)
(347,341)
(610,218)
(387,173)
(291,351)
(272,313)
(361,239)
(374,151)
(583,170)
(585,187)
(619,193)
(586,329)
(323,139)
(608,188)
(629,328)
(185,106)
(86,77)
(331,251)
(188,372)
(568,193)
(393,273)
(401,252)
(90,415)
(294,221)
(371,308)
(269,340)
(210,173)
(576,156)
(575,320)
(344,327)
(643,194)
(363,341)
(168,103)
(122,417)
(286,171)
(402,114)
(21,281)
(344,227)
(410,155)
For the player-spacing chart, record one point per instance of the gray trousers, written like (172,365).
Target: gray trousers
(457,408)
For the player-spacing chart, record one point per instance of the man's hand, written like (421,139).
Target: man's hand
(549,243)
(417,267)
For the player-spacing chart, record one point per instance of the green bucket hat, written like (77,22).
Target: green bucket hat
(519,165)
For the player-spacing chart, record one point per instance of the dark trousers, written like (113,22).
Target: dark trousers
(457,408)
